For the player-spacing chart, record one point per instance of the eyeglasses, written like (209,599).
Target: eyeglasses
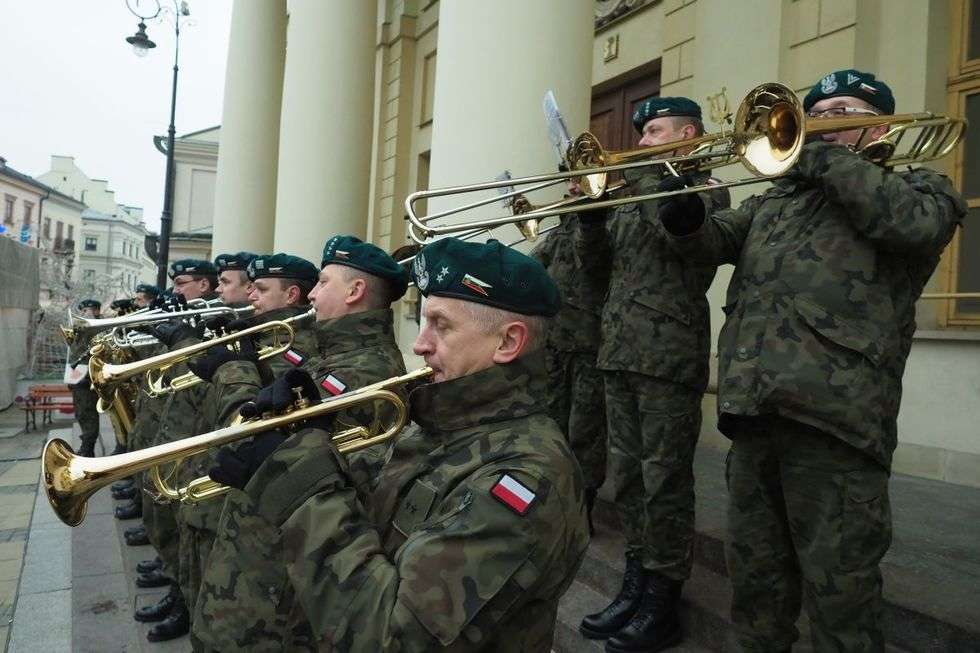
(840,112)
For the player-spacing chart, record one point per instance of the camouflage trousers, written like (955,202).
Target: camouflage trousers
(160,521)
(195,545)
(653,429)
(808,516)
(86,410)
(576,400)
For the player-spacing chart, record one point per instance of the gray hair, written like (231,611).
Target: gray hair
(491,318)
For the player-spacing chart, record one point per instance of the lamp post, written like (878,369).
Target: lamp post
(147,10)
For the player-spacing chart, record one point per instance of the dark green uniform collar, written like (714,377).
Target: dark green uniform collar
(498,393)
(354,331)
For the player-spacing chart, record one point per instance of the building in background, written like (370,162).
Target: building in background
(111,244)
(416,94)
(22,196)
(195,170)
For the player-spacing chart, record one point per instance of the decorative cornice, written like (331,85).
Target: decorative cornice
(609,11)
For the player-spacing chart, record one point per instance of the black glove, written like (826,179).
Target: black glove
(680,214)
(170,333)
(235,467)
(205,366)
(815,159)
(171,304)
(122,306)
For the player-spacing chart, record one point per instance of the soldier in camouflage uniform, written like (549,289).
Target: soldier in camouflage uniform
(829,263)
(576,394)
(192,279)
(83,396)
(475,525)
(245,600)
(285,298)
(654,355)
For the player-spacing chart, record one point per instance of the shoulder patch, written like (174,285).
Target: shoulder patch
(294,357)
(333,385)
(513,494)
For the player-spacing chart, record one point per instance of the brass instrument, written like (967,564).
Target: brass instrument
(78,325)
(157,386)
(105,374)
(768,135)
(69,480)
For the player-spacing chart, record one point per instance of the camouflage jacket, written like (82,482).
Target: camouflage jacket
(246,601)
(655,317)
(576,327)
(440,554)
(821,306)
(225,395)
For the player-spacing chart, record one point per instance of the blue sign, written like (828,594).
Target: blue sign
(25,235)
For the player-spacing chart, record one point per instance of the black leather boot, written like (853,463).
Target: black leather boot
(131,510)
(146,566)
(126,482)
(125,493)
(155,578)
(159,610)
(87,449)
(135,530)
(138,538)
(618,613)
(176,624)
(590,495)
(655,626)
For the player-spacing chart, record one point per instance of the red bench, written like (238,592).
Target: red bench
(44,398)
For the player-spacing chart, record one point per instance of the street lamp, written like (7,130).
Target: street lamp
(148,10)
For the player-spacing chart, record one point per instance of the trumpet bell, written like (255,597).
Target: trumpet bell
(769,130)
(63,491)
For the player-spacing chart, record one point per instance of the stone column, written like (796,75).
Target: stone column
(495,62)
(325,134)
(245,189)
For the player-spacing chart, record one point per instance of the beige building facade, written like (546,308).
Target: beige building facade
(111,236)
(453,92)
(195,171)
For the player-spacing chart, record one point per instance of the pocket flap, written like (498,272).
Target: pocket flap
(846,333)
(665,305)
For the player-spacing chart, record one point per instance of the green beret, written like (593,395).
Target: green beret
(193,266)
(852,83)
(148,289)
(355,253)
(89,303)
(486,273)
(663,107)
(282,266)
(239,261)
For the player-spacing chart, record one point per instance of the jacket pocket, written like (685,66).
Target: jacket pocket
(845,333)
(665,305)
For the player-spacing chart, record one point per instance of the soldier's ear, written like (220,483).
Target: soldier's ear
(513,341)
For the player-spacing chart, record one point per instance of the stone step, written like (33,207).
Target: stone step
(931,572)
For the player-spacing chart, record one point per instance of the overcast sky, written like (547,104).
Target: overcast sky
(71,85)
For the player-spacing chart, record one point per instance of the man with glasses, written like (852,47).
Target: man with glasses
(829,263)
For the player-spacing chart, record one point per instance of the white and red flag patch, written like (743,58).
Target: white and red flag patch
(333,385)
(293,356)
(513,494)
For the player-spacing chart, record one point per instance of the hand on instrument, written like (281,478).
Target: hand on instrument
(170,333)
(815,159)
(122,306)
(205,366)
(235,467)
(282,394)
(171,304)
(680,214)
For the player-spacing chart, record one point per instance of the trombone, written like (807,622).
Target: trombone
(769,132)
(105,374)
(70,480)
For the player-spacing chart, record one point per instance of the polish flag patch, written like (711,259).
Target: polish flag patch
(333,385)
(513,494)
(293,356)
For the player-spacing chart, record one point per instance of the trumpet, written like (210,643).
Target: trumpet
(78,325)
(768,135)
(70,480)
(105,374)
